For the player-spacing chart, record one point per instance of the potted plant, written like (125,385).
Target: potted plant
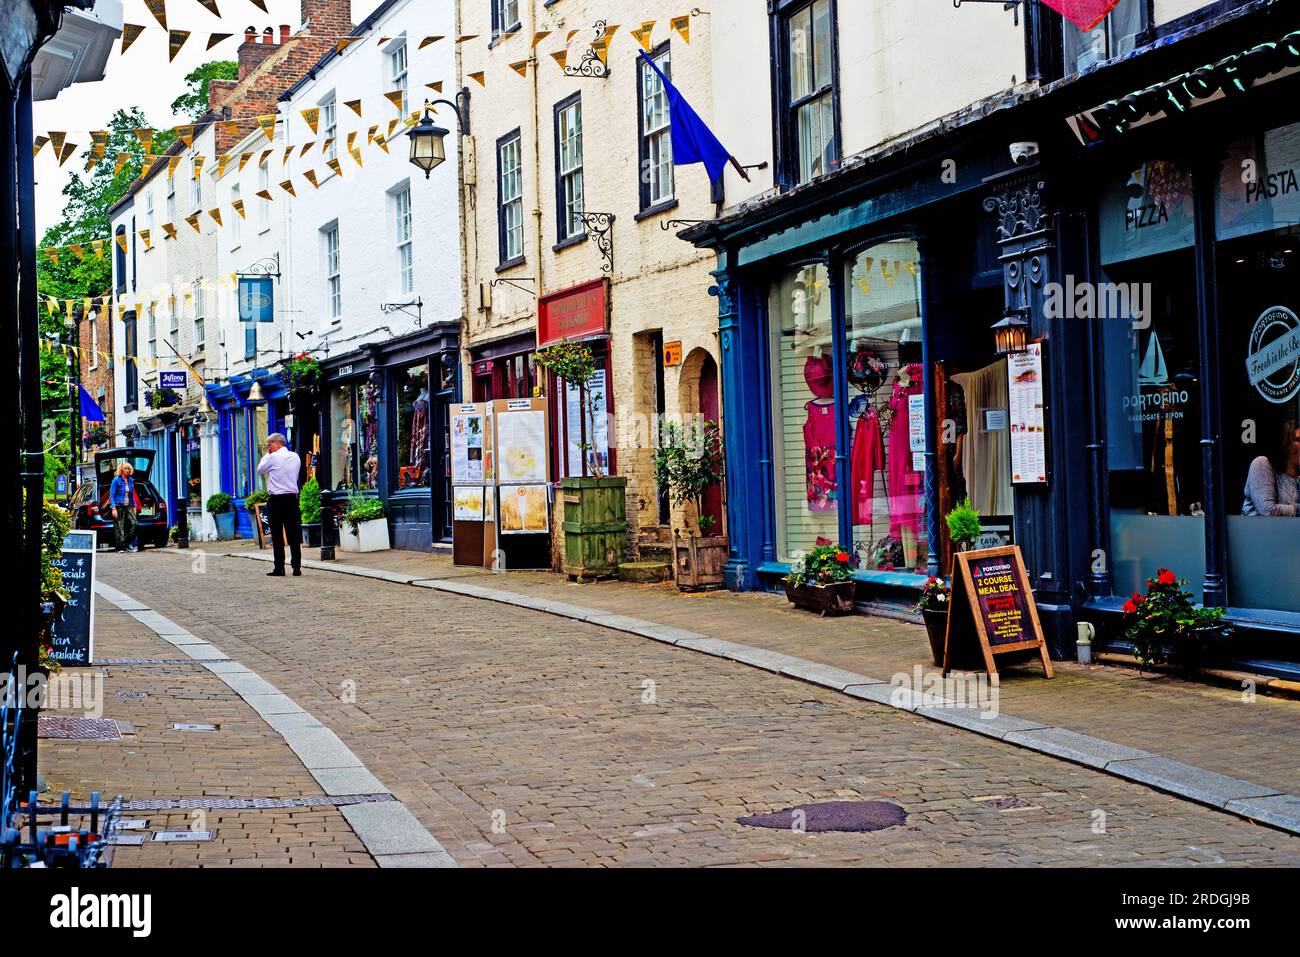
(933,606)
(221,507)
(595,507)
(963,525)
(309,506)
(260,497)
(688,465)
(301,374)
(96,436)
(163,398)
(1165,625)
(822,581)
(366,527)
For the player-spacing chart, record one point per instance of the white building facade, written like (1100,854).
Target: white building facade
(372,270)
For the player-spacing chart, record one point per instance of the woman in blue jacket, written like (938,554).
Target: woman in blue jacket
(121,504)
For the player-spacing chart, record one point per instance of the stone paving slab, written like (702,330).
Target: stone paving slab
(824,675)
(1281,811)
(390,828)
(320,748)
(422,861)
(979,720)
(1199,785)
(1072,746)
(348,781)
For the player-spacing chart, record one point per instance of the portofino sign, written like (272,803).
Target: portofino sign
(1273,357)
(1230,76)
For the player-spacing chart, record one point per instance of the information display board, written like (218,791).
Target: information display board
(992,609)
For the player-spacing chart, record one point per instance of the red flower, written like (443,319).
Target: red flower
(1129,607)
(1166,577)
(841,556)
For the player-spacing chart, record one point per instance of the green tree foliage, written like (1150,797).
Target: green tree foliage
(88,197)
(193,103)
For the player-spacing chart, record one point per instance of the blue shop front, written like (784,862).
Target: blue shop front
(1097,348)
(245,419)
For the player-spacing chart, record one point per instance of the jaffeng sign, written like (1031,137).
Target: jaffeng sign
(993,609)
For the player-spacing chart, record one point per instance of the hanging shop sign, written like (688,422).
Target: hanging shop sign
(73,639)
(993,610)
(172,380)
(576,313)
(1026,411)
(1273,356)
(256,299)
(1231,76)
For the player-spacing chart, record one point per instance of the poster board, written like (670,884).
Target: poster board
(73,638)
(262,525)
(1027,416)
(992,610)
(471,476)
(520,529)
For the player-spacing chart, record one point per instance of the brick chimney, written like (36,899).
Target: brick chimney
(327,17)
(252,53)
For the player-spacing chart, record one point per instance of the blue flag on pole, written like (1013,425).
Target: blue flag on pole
(90,410)
(693,141)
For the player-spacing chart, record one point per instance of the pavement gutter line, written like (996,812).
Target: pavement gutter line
(1257,803)
(392,835)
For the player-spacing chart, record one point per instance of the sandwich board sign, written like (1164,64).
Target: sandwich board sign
(73,640)
(992,610)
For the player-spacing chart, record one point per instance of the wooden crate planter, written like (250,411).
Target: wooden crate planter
(836,599)
(698,562)
(595,526)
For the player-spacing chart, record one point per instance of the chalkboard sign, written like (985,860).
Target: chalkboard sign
(74,632)
(993,609)
(262,525)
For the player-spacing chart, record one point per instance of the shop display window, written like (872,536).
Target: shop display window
(413,422)
(1258,273)
(242,468)
(343,444)
(886,407)
(803,412)
(1153,391)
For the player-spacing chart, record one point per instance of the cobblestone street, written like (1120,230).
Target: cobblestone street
(519,739)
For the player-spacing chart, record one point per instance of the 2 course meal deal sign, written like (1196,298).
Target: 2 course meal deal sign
(992,610)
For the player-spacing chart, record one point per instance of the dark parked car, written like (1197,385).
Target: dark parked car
(90,502)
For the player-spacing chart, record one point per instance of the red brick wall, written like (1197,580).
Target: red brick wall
(102,376)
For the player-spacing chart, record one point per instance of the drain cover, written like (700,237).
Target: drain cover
(179,836)
(127,840)
(78,729)
(852,816)
(1004,803)
(187,726)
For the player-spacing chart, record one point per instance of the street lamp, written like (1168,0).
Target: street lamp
(428,151)
(1012,333)
(255,393)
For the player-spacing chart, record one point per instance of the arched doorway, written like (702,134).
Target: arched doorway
(700,395)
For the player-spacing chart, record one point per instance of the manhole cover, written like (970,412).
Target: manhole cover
(1004,803)
(852,816)
(78,729)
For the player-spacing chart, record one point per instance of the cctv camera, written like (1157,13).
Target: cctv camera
(1022,153)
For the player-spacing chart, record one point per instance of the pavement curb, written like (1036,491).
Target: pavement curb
(1254,802)
(392,835)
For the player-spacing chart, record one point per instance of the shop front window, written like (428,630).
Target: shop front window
(242,471)
(1258,272)
(343,432)
(886,406)
(1147,317)
(192,443)
(413,421)
(260,433)
(803,411)
(368,453)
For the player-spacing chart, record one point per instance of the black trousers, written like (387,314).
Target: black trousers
(286,523)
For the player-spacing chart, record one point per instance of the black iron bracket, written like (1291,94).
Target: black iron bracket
(269,267)
(593,65)
(405,307)
(515,282)
(600,230)
(1013,5)
(669,224)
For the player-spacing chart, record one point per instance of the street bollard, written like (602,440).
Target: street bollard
(182,523)
(327,525)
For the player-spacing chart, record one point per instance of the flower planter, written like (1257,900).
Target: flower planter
(595,527)
(369,536)
(225,522)
(698,562)
(311,535)
(936,629)
(834,599)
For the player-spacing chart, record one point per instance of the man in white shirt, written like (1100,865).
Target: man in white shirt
(281,467)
